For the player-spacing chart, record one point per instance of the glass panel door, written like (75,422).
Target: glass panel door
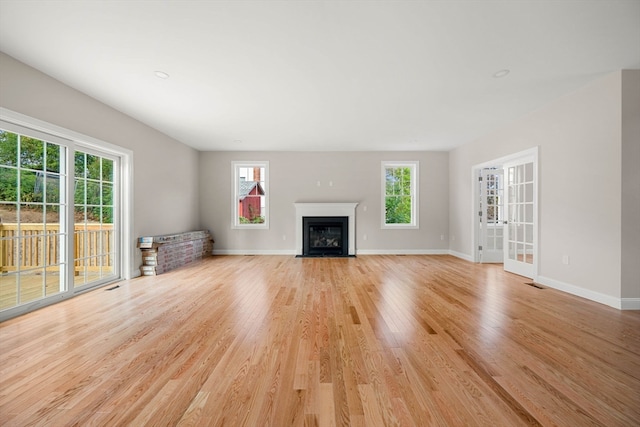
(491,215)
(95,225)
(32,219)
(520,239)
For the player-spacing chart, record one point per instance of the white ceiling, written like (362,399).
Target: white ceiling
(324,75)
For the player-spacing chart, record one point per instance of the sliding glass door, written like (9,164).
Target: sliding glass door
(59,218)
(32,219)
(95,228)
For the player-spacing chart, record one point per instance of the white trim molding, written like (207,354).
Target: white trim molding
(630,304)
(252,252)
(619,303)
(461,255)
(403,252)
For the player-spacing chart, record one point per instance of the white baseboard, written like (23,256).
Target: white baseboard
(358,252)
(630,304)
(291,252)
(402,252)
(461,255)
(619,303)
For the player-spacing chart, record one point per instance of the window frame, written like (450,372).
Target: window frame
(235,179)
(414,166)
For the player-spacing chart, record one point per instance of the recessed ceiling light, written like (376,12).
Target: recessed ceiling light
(161,74)
(501,73)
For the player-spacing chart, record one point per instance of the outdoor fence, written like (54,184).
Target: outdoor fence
(34,245)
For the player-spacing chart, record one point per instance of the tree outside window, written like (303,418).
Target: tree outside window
(399,186)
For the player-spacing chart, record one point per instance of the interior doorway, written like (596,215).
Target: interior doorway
(505,212)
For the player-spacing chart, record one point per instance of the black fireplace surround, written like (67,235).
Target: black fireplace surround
(325,236)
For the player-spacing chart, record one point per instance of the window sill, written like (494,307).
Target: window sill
(399,227)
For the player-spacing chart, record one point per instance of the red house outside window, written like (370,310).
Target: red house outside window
(249,201)
(251,194)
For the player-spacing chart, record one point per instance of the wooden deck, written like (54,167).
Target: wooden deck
(34,286)
(284,341)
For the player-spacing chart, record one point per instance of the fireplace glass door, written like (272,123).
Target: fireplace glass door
(325,236)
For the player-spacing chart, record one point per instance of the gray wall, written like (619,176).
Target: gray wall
(589,181)
(356,178)
(165,194)
(630,184)
(580,196)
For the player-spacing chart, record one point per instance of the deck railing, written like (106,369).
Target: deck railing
(34,245)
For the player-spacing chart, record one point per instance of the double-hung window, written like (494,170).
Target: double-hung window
(400,194)
(250,195)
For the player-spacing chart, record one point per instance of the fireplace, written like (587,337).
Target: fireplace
(323,210)
(325,236)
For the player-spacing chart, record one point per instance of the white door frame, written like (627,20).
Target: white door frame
(475,171)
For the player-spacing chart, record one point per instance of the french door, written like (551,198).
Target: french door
(520,239)
(491,216)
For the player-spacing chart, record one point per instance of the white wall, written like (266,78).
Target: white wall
(580,200)
(165,171)
(355,177)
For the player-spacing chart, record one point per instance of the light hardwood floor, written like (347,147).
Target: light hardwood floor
(284,341)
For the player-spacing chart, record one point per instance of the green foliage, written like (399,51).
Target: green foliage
(39,164)
(398,195)
(8,148)
(8,187)
(8,157)
(256,220)
(398,210)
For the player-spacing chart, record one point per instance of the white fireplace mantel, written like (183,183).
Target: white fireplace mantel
(326,209)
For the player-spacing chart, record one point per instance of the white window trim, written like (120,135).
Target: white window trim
(235,165)
(415,176)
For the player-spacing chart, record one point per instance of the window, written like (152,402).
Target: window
(400,194)
(250,195)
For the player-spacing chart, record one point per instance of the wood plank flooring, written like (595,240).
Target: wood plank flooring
(284,341)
